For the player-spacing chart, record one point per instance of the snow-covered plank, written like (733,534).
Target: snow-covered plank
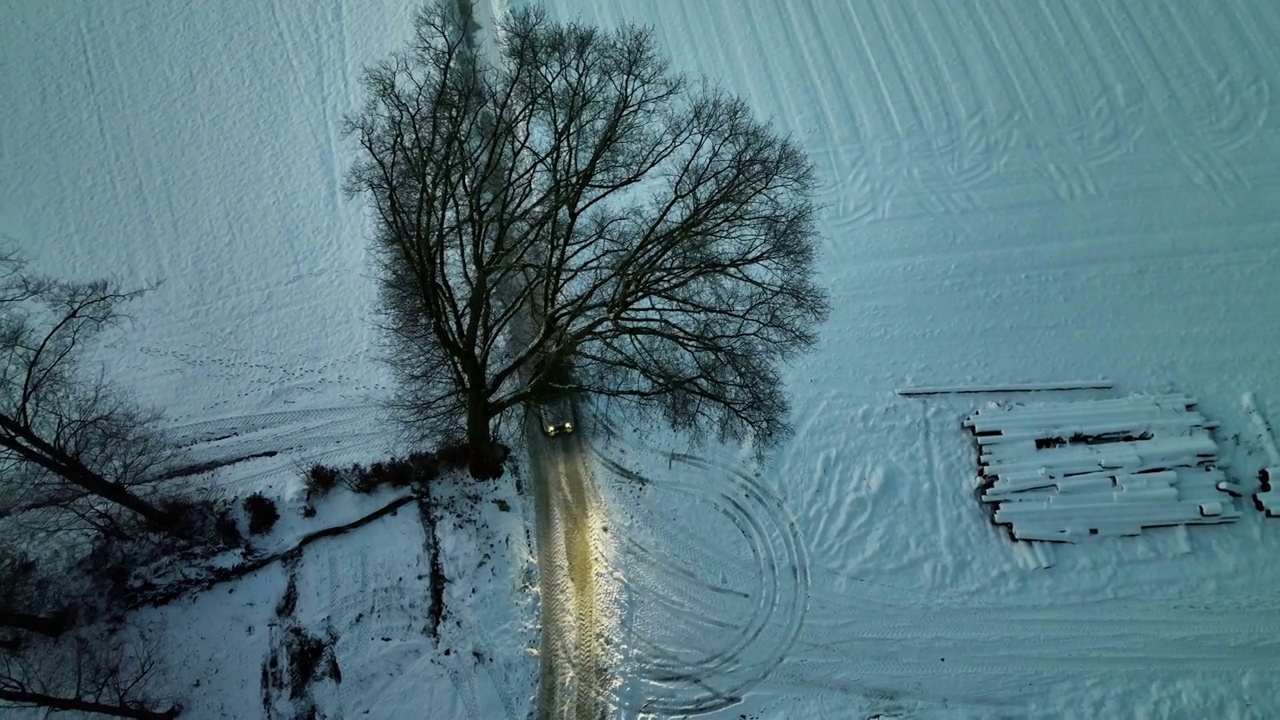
(1145,481)
(1005,483)
(1011,483)
(1059,408)
(1041,533)
(1089,498)
(1012,422)
(1076,534)
(1141,514)
(1061,465)
(1230,488)
(995,418)
(1006,476)
(1201,440)
(1121,529)
(1090,486)
(1211,508)
(1101,506)
(1174,446)
(1022,496)
(1180,425)
(1006,387)
(1199,489)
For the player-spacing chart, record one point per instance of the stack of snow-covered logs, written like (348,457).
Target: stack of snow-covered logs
(1066,471)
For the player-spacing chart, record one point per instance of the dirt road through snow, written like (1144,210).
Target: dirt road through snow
(573,672)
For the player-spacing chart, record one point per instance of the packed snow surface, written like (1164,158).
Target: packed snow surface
(1015,192)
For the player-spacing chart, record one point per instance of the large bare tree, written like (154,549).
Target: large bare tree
(573,217)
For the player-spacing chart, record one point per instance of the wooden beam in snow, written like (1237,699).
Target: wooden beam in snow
(1005,388)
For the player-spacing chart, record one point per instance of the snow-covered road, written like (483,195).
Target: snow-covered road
(575,668)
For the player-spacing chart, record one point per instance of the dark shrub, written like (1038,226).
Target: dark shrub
(355,478)
(310,659)
(185,515)
(454,455)
(204,522)
(365,484)
(426,467)
(395,473)
(361,479)
(490,465)
(398,473)
(321,479)
(262,513)
(228,531)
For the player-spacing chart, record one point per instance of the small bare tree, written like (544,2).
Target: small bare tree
(576,218)
(94,671)
(72,451)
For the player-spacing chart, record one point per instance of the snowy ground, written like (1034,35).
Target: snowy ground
(1017,192)
(199,144)
(366,591)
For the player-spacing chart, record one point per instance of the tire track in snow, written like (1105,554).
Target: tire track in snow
(979,656)
(1059,157)
(1108,124)
(892,123)
(951,148)
(709,617)
(285,424)
(857,191)
(939,151)
(301,437)
(1176,102)
(959,149)
(1233,112)
(1061,123)
(574,590)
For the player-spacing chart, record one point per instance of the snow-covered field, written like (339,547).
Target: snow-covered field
(1016,191)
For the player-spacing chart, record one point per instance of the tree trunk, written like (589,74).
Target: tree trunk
(481,461)
(52,626)
(31,447)
(21,697)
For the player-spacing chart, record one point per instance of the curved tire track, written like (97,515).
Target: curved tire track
(708,618)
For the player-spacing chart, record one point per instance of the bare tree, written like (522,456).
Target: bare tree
(29,602)
(576,218)
(92,672)
(69,445)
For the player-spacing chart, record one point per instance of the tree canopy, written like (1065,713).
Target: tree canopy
(574,217)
